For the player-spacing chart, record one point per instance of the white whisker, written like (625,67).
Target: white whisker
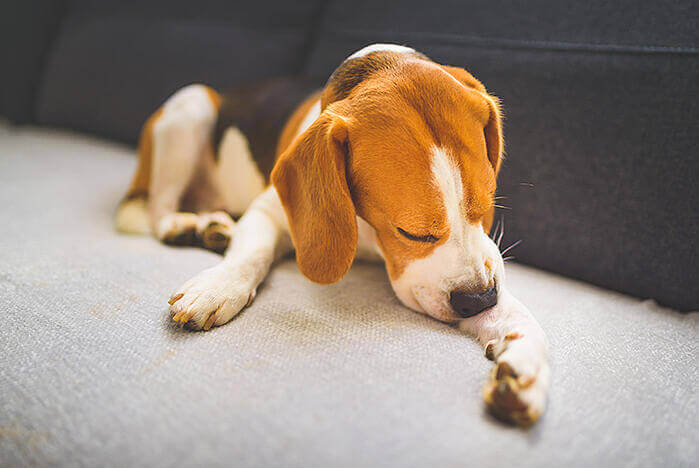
(496,230)
(502,230)
(515,244)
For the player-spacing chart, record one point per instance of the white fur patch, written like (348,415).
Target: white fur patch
(380,48)
(179,137)
(237,176)
(526,355)
(310,117)
(446,176)
(132,217)
(216,295)
(426,283)
(367,245)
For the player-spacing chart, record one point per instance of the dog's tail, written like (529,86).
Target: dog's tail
(132,213)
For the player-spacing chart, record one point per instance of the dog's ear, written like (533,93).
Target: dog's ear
(464,77)
(311,182)
(493,128)
(493,133)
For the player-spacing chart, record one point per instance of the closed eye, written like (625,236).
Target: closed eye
(414,237)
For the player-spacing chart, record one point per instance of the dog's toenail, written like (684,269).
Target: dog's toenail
(525,381)
(209,321)
(175,298)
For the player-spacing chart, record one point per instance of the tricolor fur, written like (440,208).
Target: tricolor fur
(395,158)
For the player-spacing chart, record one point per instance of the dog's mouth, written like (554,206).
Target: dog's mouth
(434,305)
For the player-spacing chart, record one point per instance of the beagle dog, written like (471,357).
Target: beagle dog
(396,158)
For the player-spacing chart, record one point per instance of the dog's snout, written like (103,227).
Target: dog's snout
(468,304)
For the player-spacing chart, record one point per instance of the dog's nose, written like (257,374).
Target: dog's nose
(467,304)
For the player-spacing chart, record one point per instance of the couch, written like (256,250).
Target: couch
(600,181)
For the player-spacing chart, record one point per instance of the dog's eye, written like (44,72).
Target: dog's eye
(413,237)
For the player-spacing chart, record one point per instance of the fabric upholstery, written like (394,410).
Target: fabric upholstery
(598,98)
(92,374)
(114,63)
(615,25)
(600,117)
(27,29)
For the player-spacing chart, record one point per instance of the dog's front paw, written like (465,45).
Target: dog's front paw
(518,384)
(211,298)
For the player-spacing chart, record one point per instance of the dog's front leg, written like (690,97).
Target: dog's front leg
(517,387)
(216,295)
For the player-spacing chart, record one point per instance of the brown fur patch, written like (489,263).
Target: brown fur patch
(141,178)
(311,181)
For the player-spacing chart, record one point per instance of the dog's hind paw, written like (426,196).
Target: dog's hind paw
(178,229)
(215,230)
(211,298)
(211,230)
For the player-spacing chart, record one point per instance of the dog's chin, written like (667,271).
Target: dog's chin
(427,301)
(443,315)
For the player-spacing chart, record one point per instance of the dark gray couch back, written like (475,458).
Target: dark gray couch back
(114,62)
(600,101)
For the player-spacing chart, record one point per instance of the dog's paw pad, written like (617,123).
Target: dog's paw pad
(516,389)
(215,230)
(504,402)
(178,229)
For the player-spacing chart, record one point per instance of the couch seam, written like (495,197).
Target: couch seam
(454,39)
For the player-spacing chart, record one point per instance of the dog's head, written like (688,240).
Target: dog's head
(413,148)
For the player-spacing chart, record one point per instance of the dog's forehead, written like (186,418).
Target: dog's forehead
(398,157)
(419,191)
(406,109)
(392,172)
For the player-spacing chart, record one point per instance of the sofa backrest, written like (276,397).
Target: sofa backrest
(600,130)
(599,99)
(114,62)
(27,29)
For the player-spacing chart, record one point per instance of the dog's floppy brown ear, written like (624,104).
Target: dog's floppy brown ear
(311,182)
(464,77)
(493,133)
(493,128)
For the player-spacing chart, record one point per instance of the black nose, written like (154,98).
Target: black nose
(467,305)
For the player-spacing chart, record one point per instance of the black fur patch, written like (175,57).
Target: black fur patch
(260,111)
(351,72)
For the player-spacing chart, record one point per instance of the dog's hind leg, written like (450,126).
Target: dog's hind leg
(132,213)
(181,137)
